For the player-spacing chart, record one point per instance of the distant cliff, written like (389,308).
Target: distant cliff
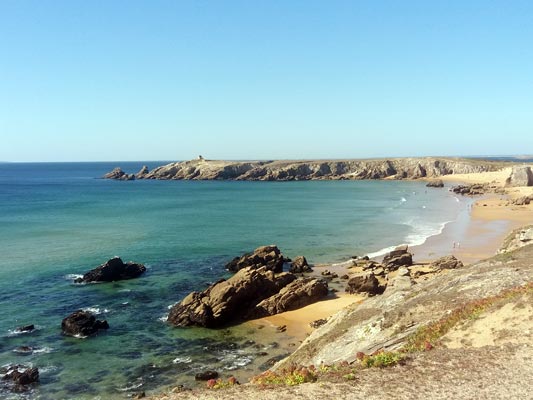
(399,168)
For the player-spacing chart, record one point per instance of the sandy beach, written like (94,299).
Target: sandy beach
(477,234)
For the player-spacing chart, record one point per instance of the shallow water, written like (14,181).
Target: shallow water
(56,220)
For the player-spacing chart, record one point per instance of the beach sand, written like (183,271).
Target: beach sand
(477,234)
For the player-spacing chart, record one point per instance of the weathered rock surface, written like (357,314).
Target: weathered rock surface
(400,256)
(206,375)
(437,183)
(299,265)
(364,283)
(521,175)
(143,172)
(269,257)
(400,168)
(518,238)
(228,300)
(447,262)
(113,270)
(297,294)
(19,374)
(522,201)
(82,323)
(120,175)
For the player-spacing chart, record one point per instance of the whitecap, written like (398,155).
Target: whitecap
(182,360)
(403,200)
(164,318)
(131,387)
(71,277)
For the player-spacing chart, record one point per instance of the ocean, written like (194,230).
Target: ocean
(59,220)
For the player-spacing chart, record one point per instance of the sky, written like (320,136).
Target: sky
(169,80)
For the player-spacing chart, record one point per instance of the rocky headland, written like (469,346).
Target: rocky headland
(287,170)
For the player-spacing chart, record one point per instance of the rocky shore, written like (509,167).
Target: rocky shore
(398,168)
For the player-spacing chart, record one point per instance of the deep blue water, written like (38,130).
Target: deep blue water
(58,219)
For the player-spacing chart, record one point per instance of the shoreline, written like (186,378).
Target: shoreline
(479,231)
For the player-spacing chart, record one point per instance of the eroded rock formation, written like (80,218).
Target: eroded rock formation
(113,270)
(269,257)
(81,324)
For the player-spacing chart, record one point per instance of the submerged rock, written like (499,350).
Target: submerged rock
(269,257)
(113,270)
(82,323)
(206,375)
(20,375)
(438,183)
(25,328)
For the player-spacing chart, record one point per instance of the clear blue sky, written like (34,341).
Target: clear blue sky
(164,80)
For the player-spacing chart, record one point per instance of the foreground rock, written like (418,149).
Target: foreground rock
(19,374)
(400,256)
(228,300)
(297,294)
(299,265)
(447,262)
(81,324)
(113,270)
(364,283)
(269,257)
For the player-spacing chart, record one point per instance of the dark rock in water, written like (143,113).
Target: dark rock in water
(206,375)
(299,265)
(120,175)
(297,294)
(113,270)
(228,300)
(21,375)
(447,262)
(397,258)
(26,328)
(364,283)
(82,323)
(438,183)
(269,257)
(23,350)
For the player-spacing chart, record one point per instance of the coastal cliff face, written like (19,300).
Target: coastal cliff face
(400,168)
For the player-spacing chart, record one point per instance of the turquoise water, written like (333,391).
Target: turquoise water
(57,220)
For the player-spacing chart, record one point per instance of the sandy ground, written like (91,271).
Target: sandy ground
(486,223)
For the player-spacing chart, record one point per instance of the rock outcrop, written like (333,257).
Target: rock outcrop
(82,324)
(228,300)
(119,175)
(521,175)
(397,258)
(400,168)
(299,265)
(471,190)
(269,257)
(143,172)
(364,283)
(113,270)
(297,294)
(447,262)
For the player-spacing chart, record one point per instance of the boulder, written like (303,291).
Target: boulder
(526,235)
(297,294)
(447,262)
(521,175)
(20,375)
(299,265)
(113,270)
(269,257)
(438,183)
(82,323)
(471,190)
(523,201)
(228,300)
(397,258)
(120,175)
(364,283)
(206,375)
(25,328)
